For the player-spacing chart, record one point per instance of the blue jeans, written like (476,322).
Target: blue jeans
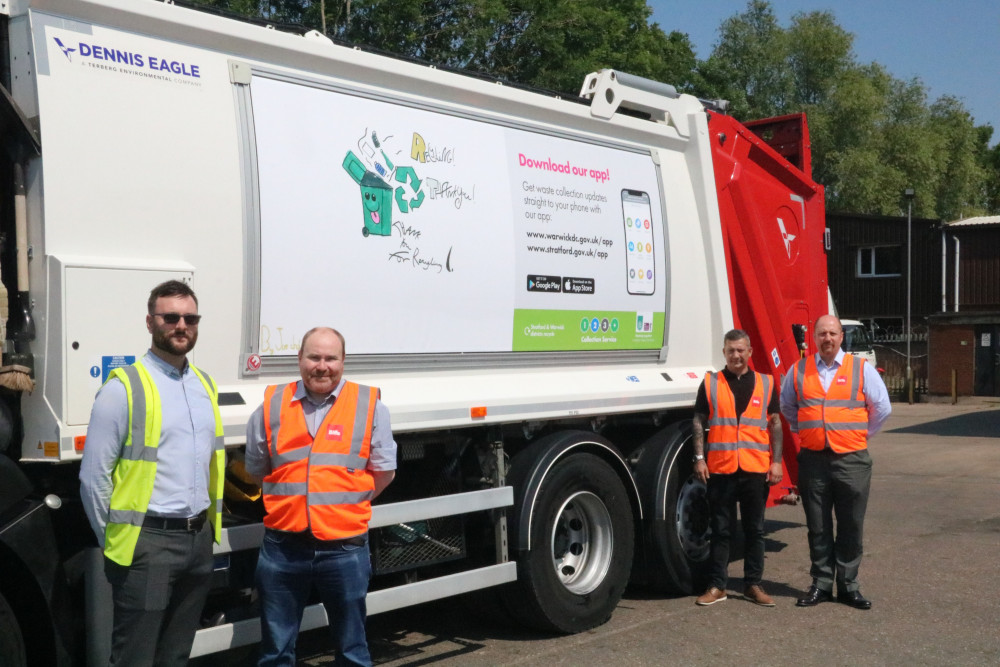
(288,566)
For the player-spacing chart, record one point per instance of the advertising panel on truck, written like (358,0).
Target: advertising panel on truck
(521,234)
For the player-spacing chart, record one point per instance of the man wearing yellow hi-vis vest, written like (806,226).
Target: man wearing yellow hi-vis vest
(151,483)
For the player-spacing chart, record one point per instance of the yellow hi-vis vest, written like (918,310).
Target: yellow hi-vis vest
(135,471)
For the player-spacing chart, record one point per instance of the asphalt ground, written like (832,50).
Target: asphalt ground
(932,550)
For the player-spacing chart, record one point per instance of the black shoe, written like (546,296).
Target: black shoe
(813,597)
(854,599)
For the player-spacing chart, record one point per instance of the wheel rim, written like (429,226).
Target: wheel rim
(692,519)
(582,542)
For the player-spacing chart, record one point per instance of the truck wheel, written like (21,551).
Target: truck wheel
(582,543)
(676,523)
(11,642)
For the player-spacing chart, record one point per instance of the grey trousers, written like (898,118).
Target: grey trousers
(159,598)
(835,486)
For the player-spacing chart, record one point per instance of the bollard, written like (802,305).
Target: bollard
(954,386)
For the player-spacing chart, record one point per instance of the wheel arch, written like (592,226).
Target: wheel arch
(533,465)
(674,532)
(668,459)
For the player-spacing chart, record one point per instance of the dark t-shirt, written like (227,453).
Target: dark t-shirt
(742,388)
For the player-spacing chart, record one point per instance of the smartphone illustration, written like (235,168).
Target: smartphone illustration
(640,256)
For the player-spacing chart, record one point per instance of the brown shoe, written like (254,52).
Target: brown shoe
(711,596)
(757,595)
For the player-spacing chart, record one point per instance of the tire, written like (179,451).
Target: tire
(582,542)
(11,641)
(676,518)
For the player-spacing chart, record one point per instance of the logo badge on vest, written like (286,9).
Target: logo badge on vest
(335,432)
(755,402)
(841,380)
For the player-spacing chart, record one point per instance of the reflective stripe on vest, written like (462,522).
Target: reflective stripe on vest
(320,483)
(837,415)
(737,444)
(135,471)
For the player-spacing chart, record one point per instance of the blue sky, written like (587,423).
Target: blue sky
(953,46)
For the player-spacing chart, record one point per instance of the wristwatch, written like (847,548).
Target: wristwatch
(699,457)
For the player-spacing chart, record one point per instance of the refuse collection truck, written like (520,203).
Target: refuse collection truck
(537,283)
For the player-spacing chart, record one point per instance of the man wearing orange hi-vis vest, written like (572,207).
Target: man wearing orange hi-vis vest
(739,408)
(835,402)
(323,448)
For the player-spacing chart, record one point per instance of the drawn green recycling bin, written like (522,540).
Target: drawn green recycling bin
(377,196)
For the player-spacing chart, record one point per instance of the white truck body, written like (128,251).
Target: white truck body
(530,281)
(174,153)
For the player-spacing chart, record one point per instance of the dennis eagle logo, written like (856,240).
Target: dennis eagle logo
(65,49)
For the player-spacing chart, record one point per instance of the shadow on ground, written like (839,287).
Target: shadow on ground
(985,424)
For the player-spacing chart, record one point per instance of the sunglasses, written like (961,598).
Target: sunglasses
(174,318)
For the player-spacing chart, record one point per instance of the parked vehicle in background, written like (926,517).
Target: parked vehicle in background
(858,340)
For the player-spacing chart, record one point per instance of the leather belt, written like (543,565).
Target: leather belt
(192,524)
(310,541)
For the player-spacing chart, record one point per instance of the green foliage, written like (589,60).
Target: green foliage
(872,135)
(748,66)
(549,44)
(545,43)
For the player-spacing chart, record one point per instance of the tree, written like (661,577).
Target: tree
(872,135)
(548,44)
(991,165)
(749,66)
(960,157)
(819,51)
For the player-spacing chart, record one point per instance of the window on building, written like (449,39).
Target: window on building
(880,261)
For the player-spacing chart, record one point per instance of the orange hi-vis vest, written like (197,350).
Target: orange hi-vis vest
(319,484)
(737,444)
(837,415)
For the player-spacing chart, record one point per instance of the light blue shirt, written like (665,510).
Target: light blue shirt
(383,448)
(876,395)
(184,452)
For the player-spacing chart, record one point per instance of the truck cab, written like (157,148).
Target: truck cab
(858,340)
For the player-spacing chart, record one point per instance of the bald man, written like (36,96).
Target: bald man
(835,402)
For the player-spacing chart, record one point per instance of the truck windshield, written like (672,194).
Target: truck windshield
(857,339)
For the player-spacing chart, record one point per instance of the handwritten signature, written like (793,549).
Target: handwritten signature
(413,258)
(407,230)
(449,190)
(269,347)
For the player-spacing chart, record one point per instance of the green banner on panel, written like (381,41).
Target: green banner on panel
(559,330)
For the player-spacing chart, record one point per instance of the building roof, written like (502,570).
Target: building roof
(972,222)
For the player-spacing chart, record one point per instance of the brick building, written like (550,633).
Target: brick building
(954,302)
(965,336)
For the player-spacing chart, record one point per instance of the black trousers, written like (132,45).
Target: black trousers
(749,490)
(835,486)
(159,598)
